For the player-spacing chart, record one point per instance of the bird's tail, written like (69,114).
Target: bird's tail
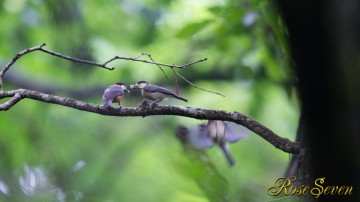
(227,154)
(106,103)
(180,98)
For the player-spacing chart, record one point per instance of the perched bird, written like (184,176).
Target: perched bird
(216,132)
(113,94)
(155,93)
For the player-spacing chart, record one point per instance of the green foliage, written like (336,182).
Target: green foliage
(67,155)
(191,29)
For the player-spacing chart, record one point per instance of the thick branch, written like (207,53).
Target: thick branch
(283,144)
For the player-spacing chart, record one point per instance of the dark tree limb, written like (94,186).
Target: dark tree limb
(283,144)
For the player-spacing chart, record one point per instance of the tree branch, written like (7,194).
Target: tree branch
(149,55)
(76,60)
(153,62)
(283,144)
(196,113)
(13,60)
(195,86)
(8,104)
(103,65)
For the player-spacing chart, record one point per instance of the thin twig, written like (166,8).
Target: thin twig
(77,60)
(176,82)
(281,143)
(175,73)
(155,63)
(102,65)
(191,63)
(17,56)
(149,55)
(13,60)
(197,86)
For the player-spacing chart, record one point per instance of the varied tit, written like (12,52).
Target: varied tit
(113,94)
(215,132)
(155,93)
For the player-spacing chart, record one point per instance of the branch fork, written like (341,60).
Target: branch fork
(283,144)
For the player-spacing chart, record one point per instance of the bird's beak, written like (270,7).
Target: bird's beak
(135,86)
(126,90)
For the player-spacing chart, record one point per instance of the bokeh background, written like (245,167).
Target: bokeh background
(54,153)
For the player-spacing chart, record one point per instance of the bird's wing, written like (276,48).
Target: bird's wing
(199,137)
(112,92)
(154,88)
(231,136)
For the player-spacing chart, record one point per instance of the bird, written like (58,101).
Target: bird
(114,94)
(215,132)
(155,93)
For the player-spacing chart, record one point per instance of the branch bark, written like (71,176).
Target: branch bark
(283,144)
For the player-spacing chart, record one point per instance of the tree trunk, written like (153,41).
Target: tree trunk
(325,42)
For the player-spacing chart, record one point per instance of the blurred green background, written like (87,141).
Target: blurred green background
(54,153)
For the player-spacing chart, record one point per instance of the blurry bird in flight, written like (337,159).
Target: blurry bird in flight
(216,132)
